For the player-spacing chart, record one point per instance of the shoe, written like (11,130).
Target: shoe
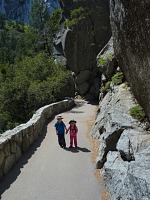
(76,146)
(64,147)
(61,146)
(70,147)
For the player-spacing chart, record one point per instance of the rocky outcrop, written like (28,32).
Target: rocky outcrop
(77,45)
(130,23)
(20,9)
(106,61)
(124,147)
(13,143)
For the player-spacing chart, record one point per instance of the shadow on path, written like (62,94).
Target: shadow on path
(78,149)
(16,170)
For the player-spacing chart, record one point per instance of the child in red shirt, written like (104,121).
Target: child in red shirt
(73,129)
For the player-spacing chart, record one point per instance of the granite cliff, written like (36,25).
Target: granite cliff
(85,29)
(124,141)
(130,22)
(20,9)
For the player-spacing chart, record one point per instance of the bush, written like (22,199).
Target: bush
(137,112)
(117,79)
(106,88)
(104,59)
(34,83)
(76,15)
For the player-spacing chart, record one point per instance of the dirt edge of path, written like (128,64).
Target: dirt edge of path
(94,153)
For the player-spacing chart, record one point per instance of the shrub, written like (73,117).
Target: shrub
(76,15)
(34,83)
(106,88)
(53,22)
(104,59)
(117,79)
(137,112)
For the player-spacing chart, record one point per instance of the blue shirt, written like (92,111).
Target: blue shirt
(60,127)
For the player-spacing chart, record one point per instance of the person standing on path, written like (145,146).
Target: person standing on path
(60,131)
(73,129)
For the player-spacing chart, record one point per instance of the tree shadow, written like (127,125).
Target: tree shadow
(16,169)
(78,149)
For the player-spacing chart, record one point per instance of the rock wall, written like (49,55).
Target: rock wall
(77,46)
(130,23)
(13,143)
(20,9)
(124,147)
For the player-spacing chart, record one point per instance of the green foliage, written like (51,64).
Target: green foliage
(117,79)
(105,58)
(2,21)
(14,45)
(53,22)
(53,26)
(76,15)
(137,112)
(33,83)
(29,77)
(39,14)
(106,88)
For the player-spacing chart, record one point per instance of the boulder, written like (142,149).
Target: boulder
(83,88)
(83,76)
(82,42)
(126,180)
(124,147)
(106,61)
(130,22)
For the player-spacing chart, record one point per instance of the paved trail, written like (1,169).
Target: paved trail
(47,172)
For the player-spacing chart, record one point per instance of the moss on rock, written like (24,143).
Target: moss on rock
(117,79)
(137,112)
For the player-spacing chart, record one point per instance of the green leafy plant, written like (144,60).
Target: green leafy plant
(105,58)
(53,22)
(28,85)
(117,79)
(76,15)
(137,112)
(106,88)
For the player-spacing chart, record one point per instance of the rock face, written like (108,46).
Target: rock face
(78,45)
(124,147)
(20,9)
(106,62)
(130,23)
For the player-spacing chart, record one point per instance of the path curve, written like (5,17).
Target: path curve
(48,172)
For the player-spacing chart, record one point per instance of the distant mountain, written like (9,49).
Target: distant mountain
(20,9)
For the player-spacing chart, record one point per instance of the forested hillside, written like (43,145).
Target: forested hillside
(29,77)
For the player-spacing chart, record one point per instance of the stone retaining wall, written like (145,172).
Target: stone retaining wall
(13,143)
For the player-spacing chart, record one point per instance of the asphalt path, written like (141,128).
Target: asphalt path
(48,172)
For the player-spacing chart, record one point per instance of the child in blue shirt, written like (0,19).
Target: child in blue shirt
(60,131)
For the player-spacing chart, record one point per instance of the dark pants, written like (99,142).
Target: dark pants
(61,140)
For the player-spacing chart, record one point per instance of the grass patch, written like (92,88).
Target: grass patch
(137,112)
(117,79)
